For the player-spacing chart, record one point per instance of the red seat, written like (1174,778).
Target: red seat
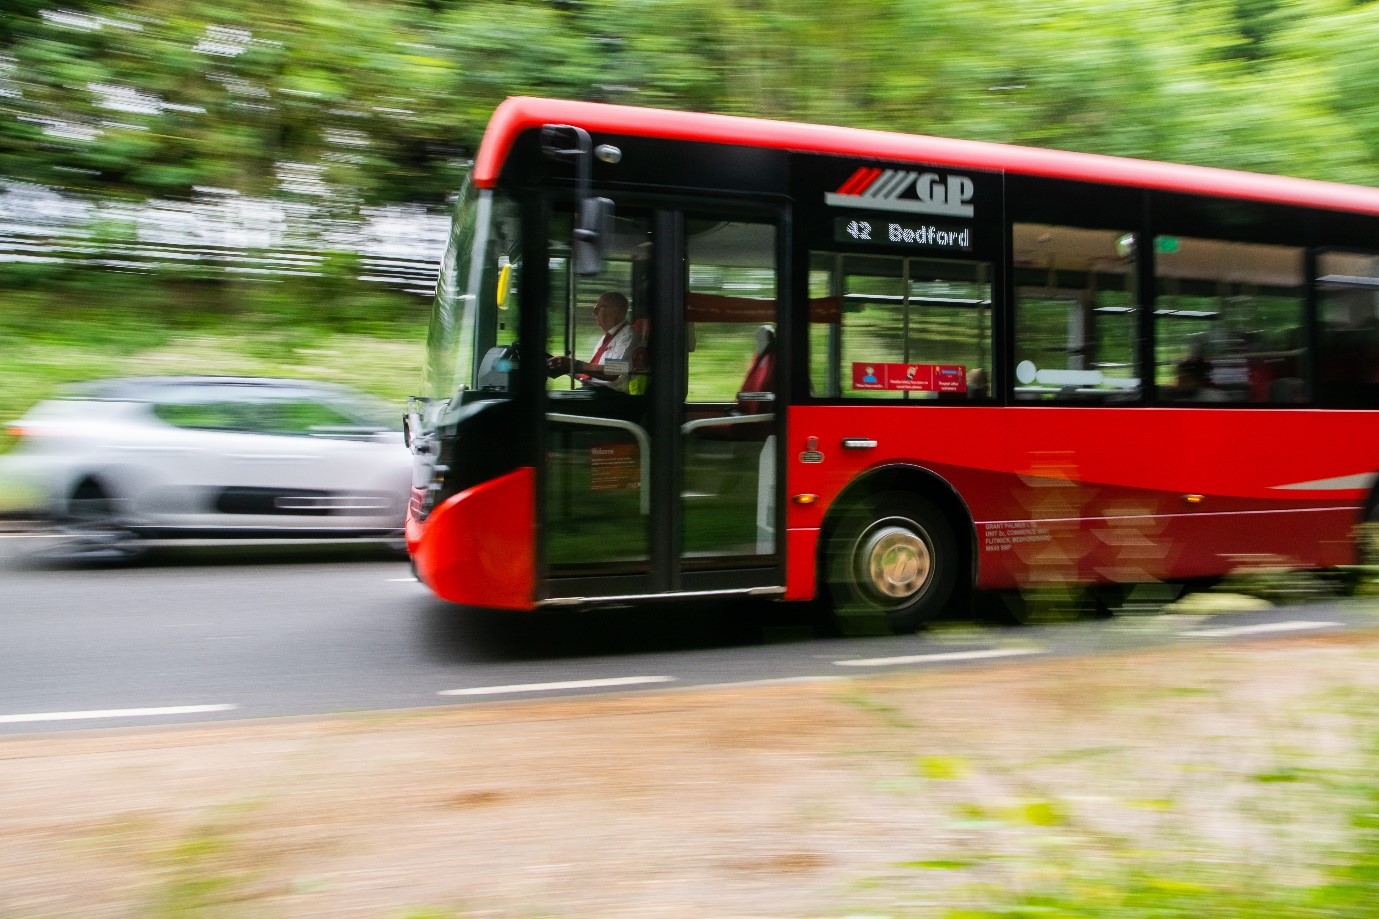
(761,376)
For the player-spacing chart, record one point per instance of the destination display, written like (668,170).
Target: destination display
(884,231)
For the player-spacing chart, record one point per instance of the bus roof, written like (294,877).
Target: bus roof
(520,113)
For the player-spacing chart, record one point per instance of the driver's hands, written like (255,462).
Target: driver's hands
(558,365)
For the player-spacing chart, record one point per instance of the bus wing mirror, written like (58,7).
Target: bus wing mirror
(594,223)
(592,235)
(414,423)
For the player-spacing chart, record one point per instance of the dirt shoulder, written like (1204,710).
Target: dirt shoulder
(879,796)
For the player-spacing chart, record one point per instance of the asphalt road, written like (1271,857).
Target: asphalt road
(205,634)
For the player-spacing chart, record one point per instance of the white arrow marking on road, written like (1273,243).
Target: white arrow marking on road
(116,713)
(938,657)
(567,684)
(1297,625)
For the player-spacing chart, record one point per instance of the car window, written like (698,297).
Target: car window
(212,415)
(306,416)
(369,410)
(279,411)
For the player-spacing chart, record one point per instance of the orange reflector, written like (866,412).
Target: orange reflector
(805,499)
(1193,499)
(15,431)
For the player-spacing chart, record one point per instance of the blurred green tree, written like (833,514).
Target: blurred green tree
(152,99)
(344,104)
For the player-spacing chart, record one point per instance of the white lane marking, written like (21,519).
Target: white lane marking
(1297,625)
(31,536)
(116,713)
(402,580)
(768,681)
(565,684)
(938,657)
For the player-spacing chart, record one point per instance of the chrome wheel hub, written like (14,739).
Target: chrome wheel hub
(893,562)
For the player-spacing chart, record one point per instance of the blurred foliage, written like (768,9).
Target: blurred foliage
(330,107)
(84,325)
(152,98)
(382,100)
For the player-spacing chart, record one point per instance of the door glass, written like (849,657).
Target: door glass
(597,478)
(730,413)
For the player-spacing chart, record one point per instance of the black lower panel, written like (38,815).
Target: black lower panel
(303,502)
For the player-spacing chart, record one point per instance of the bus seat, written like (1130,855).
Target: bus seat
(761,376)
(1290,390)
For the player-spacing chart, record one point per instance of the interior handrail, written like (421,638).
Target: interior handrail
(690,427)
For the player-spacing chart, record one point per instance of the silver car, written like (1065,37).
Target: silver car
(222,456)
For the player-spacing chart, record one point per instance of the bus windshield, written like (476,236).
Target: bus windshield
(476,296)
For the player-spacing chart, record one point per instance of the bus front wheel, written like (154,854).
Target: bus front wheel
(891,563)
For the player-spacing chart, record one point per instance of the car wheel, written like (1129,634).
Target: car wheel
(94,526)
(891,563)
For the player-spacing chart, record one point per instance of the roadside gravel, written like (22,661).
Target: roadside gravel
(880,796)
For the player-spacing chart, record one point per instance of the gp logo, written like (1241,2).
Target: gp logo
(902,190)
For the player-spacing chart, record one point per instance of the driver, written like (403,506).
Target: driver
(619,343)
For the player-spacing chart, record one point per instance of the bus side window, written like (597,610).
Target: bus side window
(1076,315)
(1229,313)
(1348,330)
(899,328)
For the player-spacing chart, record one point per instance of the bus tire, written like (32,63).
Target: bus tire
(891,564)
(1358,577)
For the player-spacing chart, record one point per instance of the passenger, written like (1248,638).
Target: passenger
(1194,383)
(619,343)
(1291,390)
(977,386)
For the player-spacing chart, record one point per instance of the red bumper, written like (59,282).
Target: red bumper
(478,547)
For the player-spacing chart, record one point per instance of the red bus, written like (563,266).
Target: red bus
(882,370)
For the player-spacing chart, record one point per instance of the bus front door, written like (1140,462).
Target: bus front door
(660,472)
